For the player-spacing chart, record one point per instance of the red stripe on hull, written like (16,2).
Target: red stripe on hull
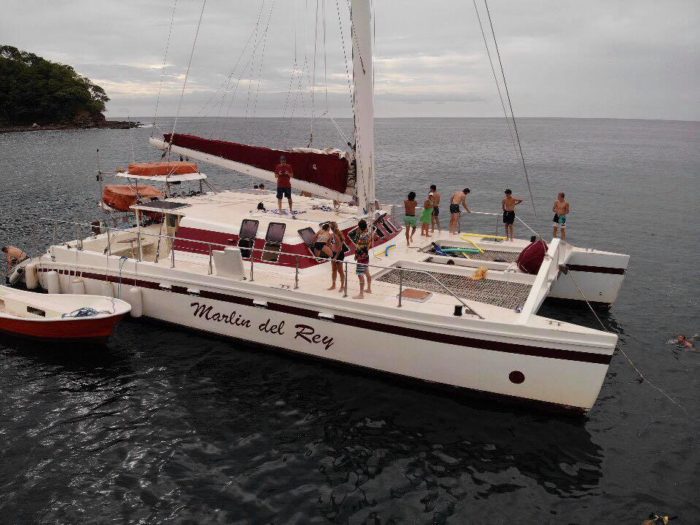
(192,240)
(61,330)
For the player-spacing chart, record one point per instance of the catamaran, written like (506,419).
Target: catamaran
(460,310)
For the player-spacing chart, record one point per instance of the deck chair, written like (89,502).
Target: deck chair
(229,263)
(307,235)
(246,237)
(273,241)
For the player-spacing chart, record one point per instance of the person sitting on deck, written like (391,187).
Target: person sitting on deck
(321,242)
(409,219)
(362,244)
(284,174)
(14,256)
(459,198)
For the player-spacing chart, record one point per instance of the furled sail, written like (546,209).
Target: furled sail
(321,172)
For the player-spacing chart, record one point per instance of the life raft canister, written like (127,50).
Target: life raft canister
(530,259)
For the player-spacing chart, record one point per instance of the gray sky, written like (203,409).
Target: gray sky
(563,58)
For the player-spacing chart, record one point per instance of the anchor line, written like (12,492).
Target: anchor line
(629,360)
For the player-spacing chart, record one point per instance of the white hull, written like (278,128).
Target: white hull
(565,368)
(595,275)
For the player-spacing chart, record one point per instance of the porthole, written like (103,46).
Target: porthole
(516,377)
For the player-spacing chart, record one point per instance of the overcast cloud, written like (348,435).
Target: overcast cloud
(632,59)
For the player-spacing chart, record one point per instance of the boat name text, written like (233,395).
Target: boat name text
(302,331)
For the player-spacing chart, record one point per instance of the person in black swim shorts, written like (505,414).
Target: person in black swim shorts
(508,204)
(436,208)
(459,198)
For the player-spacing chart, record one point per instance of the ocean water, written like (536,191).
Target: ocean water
(167,425)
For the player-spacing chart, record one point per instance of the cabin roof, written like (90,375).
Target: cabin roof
(224,212)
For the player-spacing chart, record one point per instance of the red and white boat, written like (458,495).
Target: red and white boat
(59,317)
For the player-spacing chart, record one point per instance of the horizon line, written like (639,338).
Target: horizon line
(646,119)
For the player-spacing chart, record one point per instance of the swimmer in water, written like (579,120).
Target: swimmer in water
(684,342)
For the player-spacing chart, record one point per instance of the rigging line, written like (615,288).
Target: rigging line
(495,78)
(187,74)
(510,105)
(251,62)
(224,88)
(246,67)
(325,55)
(162,69)
(292,76)
(337,128)
(313,78)
(262,58)
(345,53)
(355,43)
(631,363)
(293,73)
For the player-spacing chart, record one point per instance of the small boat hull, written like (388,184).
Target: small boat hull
(59,317)
(62,330)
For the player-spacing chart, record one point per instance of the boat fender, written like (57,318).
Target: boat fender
(106,289)
(135,299)
(31,276)
(532,256)
(77,286)
(53,283)
(15,276)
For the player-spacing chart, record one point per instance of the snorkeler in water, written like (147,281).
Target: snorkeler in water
(684,342)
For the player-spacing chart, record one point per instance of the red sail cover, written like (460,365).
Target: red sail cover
(329,170)
(532,256)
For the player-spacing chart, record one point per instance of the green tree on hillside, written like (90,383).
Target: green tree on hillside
(33,89)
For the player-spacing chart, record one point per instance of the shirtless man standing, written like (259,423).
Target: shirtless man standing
(561,209)
(508,204)
(436,208)
(458,198)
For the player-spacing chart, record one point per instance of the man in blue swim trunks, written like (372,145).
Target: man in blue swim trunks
(561,209)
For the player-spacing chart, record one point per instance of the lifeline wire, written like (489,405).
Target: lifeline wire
(634,367)
(512,114)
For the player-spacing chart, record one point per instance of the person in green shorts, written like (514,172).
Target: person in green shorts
(409,218)
(427,216)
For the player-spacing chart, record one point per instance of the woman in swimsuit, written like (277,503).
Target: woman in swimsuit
(321,240)
(338,246)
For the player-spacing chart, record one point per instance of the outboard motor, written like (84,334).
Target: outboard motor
(530,259)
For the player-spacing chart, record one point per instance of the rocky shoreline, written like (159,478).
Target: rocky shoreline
(105,124)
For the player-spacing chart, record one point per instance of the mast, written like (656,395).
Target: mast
(363,101)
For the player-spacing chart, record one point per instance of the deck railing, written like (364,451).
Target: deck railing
(397,216)
(137,255)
